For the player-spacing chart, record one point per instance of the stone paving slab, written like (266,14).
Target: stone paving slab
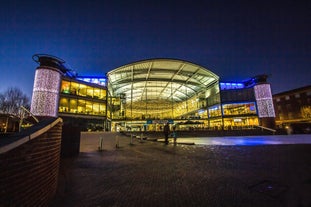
(154,174)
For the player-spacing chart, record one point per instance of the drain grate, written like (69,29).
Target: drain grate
(270,188)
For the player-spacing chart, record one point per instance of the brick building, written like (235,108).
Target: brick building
(293,109)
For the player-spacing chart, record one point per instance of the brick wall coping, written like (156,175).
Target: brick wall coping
(12,141)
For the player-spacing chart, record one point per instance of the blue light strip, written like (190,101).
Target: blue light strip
(231,85)
(96,80)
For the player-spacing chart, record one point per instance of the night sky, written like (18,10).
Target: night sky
(234,39)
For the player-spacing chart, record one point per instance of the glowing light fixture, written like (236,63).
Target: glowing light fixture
(46,92)
(264,100)
(96,80)
(228,86)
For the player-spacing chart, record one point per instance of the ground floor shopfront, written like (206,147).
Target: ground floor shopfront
(186,125)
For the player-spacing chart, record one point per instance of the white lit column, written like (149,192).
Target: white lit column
(264,100)
(45,94)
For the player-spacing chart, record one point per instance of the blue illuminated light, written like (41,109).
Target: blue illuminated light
(201,111)
(96,80)
(214,108)
(255,141)
(229,86)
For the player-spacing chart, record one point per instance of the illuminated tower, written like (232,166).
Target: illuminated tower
(264,101)
(48,76)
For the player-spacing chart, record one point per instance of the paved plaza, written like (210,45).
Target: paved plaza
(149,173)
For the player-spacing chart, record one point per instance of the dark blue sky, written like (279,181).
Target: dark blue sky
(234,39)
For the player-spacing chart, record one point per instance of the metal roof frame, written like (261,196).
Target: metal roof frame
(160,79)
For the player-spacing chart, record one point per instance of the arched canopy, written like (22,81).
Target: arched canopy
(160,79)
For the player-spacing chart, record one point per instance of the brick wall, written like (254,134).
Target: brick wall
(29,172)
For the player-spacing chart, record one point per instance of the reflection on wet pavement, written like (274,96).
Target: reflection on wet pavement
(251,140)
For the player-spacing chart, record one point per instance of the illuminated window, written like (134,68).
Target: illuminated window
(67,105)
(89,91)
(203,113)
(239,108)
(82,90)
(96,108)
(63,105)
(214,111)
(102,108)
(216,123)
(81,106)
(240,122)
(97,92)
(74,88)
(88,107)
(73,106)
(65,87)
(103,94)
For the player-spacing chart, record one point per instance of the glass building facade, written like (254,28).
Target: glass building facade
(85,101)
(147,94)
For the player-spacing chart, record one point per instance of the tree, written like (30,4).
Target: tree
(11,101)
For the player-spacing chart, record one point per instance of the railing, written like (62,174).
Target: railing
(266,128)
(23,109)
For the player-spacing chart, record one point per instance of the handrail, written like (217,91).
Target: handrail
(31,114)
(266,128)
(22,116)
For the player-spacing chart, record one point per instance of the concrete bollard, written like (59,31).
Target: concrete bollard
(175,137)
(100,143)
(117,141)
(141,137)
(131,142)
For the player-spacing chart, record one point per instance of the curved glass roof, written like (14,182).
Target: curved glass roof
(160,79)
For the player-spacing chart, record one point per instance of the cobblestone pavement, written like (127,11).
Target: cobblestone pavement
(153,174)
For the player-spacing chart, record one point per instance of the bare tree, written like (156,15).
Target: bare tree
(11,101)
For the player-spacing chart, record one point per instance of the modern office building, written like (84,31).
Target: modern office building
(148,93)
(293,109)
(83,101)
(80,101)
(145,95)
